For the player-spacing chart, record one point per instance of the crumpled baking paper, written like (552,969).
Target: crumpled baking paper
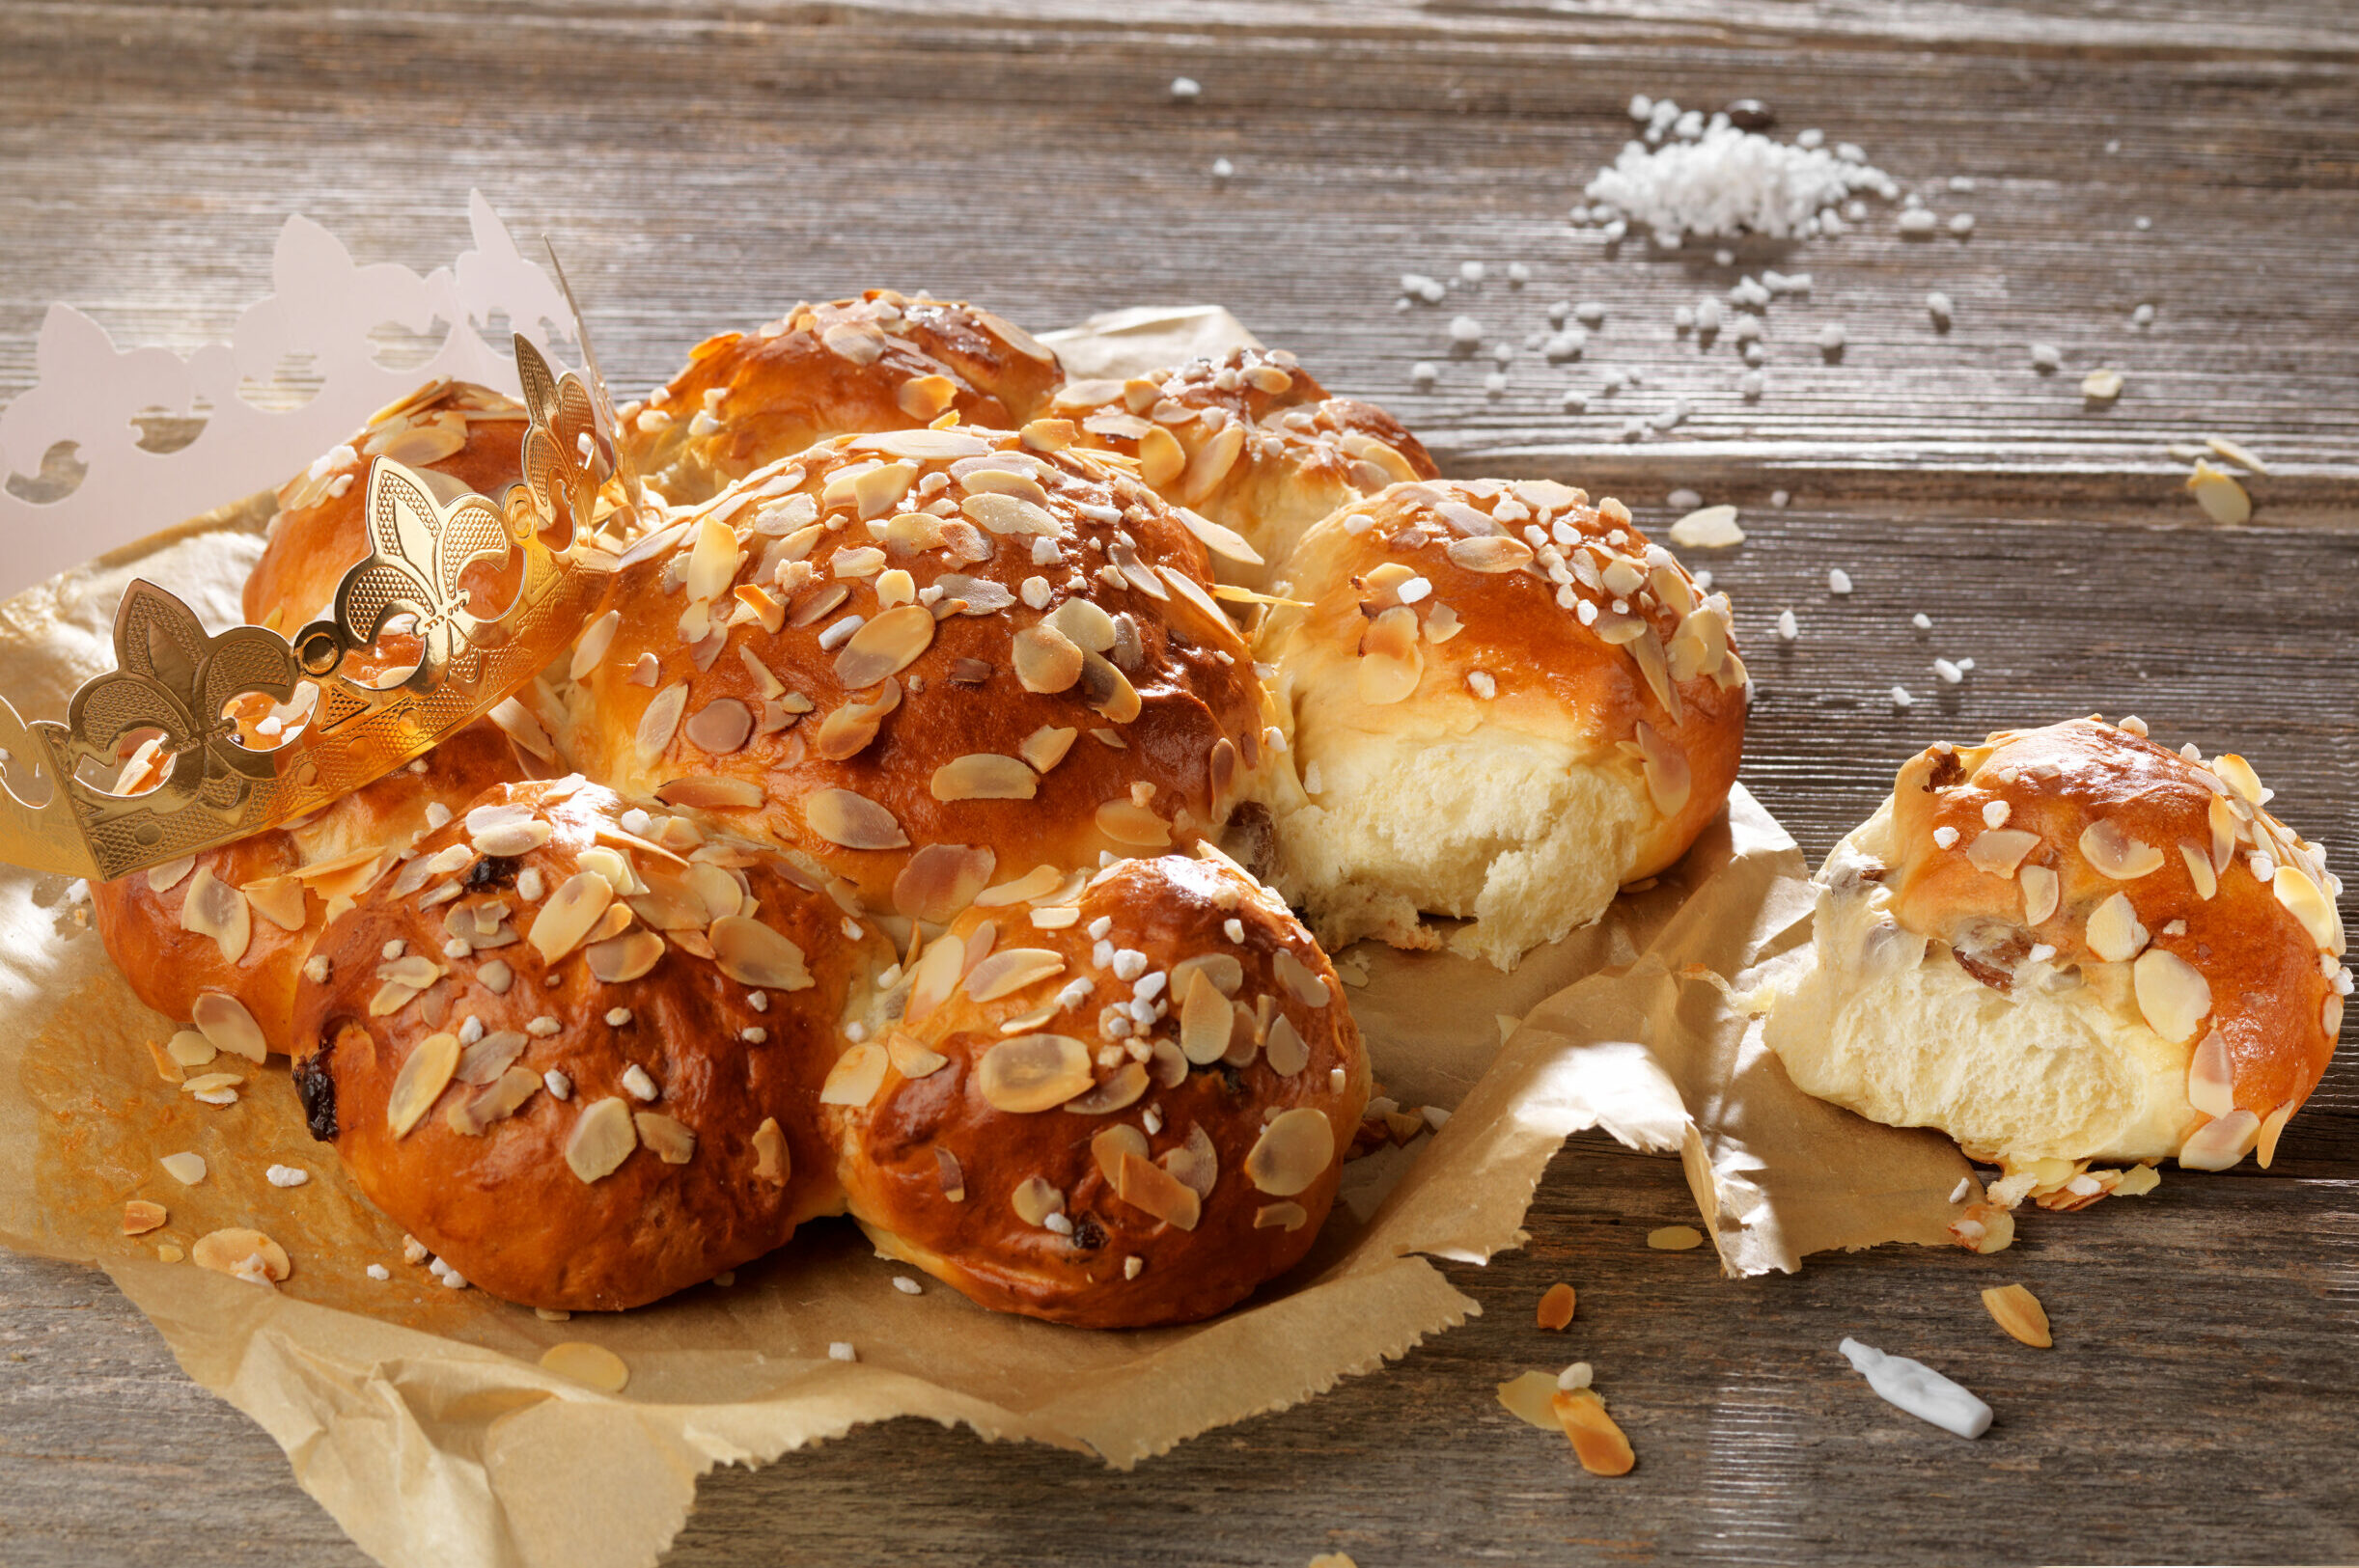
(421,1419)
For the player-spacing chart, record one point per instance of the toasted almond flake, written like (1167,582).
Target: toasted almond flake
(2271,1126)
(1161,458)
(2235,453)
(1293,1151)
(502,1098)
(1527,1397)
(1134,825)
(1034,1199)
(2172,993)
(940,880)
(593,1366)
(2101,386)
(1035,884)
(705,791)
(523,726)
(1009,516)
(1211,464)
(602,1139)
(1045,659)
(278,899)
(2199,869)
(424,1073)
(212,908)
(139,1217)
(1286,1050)
(751,953)
(186,1168)
(2211,1078)
(1391,663)
(170,875)
(847,730)
(2114,852)
(912,1059)
(2114,933)
(1489,553)
(1998,851)
(1124,1089)
(666,1137)
(1106,689)
(926,446)
(204,1084)
(984,776)
(1675,1238)
(1708,528)
(224,1251)
(623,957)
(1287,1215)
(2218,1145)
(712,561)
(1149,1187)
(1010,970)
(1296,977)
(1205,1020)
(225,1023)
(1045,747)
(2015,1310)
(2309,905)
(851,821)
(773,1160)
(2040,892)
(659,723)
(1669,779)
(937,976)
(590,648)
(2223,500)
(720,726)
(2138,1179)
(1985,1227)
(1195,1162)
(487,1059)
(569,914)
(1034,1072)
(1084,625)
(1597,1441)
(1108,1145)
(885,645)
(1556,1306)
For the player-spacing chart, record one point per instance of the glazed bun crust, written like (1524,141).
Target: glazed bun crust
(2101,802)
(977,740)
(1252,441)
(883,362)
(576,1202)
(295,874)
(1490,738)
(466,433)
(1014,1201)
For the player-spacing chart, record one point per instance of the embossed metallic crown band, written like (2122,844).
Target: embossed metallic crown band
(175,685)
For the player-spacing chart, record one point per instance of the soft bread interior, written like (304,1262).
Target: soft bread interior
(1889,1023)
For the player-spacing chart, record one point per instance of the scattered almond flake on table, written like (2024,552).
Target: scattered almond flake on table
(2219,493)
(186,1168)
(2015,1308)
(1334,1559)
(2237,454)
(1919,1389)
(588,1364)
(1675,1238)
(1556,1306)
(1708,528)
(2101,386)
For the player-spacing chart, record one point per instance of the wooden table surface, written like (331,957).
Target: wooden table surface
(704,166)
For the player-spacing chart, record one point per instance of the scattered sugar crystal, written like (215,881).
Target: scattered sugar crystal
(1900,697)
(1838,580)
(2046,356)
(1222,168)
(1465,331)
(1788,629)
(1423,373)
(1494,385)
(1939,305)
(1962,224)
(1780,499)
(1187,87)
(1949,671)
(842,1350)
(1922,622)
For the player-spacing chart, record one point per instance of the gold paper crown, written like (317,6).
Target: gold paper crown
(173,681)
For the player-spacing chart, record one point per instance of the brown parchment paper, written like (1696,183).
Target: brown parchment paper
(420,1418)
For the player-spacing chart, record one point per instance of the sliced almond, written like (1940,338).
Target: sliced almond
(912,1059)
(504,1098)
(856,1076)
(2040,892)
(720,726)
(2015,1310)
(1156,1191)
(602,1139)
(1489,553)
(424,1073)
(1597,1441)
(1195,1162)
(773,1160)
(1161,458)
(2199,869)
(1205,1020)
(1285,1215)
(1391,663)
(659,722)
(139,1217)
(590,648)
(1296,977)
(487,1059)
(951,1174)
(592,1365)
(1123,1088)
(1034,1072)
(1108,1145)
(225,1023)
(751,953)
(935,977)
(1106,689)
(942,879)
(1084,625)
(184,1168)
(851,821)
(1128,823)
(212,908)
(189,1049)
(1045,659)
(1669,779)
(1010,970)
(2114,933)
(1035,1200)
(224,1251)
(668,1139)
(885,645)
(2309,905)
(1035,884)
(846,732)
(2112,851)
(2172,993)
(1045,747)
(169,875)
(2271,1126)
(2211,1077)
(984,776)
(1286,1050)
(625,957)
(1009,515)
(1556,1306)
(569,914)
(2220,1144)
(712,561)
(278,899)
(1293,1151)
(709,792)
(1998,851)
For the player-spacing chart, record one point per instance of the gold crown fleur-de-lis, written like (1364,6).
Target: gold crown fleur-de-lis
(566,454)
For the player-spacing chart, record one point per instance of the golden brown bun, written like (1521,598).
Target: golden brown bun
(1251,441)
(1507,746)
(1171,710)
(299,873)
(456,428)
(961,1169)
(510,1205)
(883,362)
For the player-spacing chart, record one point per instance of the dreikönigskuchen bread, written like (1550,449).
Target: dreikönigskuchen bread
(1251,441)
(239,922)
(1504,703)
(1121,1104)
(927,659)
(2071,945)
(883,362)
(644,1123)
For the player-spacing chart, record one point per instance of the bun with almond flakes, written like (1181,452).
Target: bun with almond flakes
(1503,703)
(883,362)
(1252,442)
(578,1053)
(927,660)
(2070,947)
(1113,1104)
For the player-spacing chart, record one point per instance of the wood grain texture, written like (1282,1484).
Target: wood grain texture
(705,166)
